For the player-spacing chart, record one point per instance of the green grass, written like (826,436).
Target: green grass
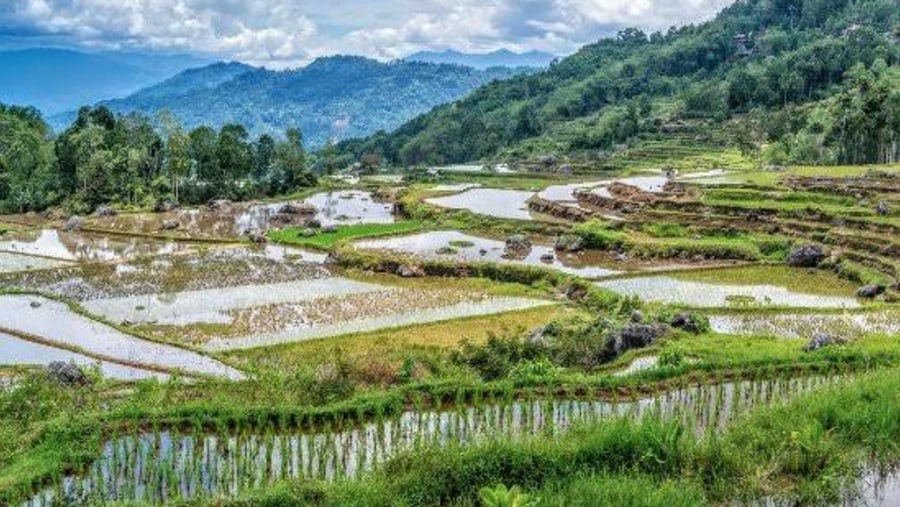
(327,240)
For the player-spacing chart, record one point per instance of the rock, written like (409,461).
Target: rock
(637,317)
(35,304)
(518,242)
(882,208)
(569,243)
(547,160)
(565,169)
(821,340)
(406,271)
(219,205)
(314,224)
(446,250)
(170,225)
(635,336)
(806,256)
(297,208)
(548,258)
(67,374)
(257,237)
(690,322)
(330,229)
(73,224)
(105,211)
(482,252)
(164,207)
(870,291)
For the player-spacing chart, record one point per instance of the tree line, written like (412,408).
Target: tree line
(132,161)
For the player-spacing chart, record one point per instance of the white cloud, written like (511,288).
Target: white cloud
(287,32)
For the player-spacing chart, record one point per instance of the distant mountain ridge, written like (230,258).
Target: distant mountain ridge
(334,97)
(56,80)
(499,58)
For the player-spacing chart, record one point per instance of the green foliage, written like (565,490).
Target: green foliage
(500,496)
(597,235)
(327,240)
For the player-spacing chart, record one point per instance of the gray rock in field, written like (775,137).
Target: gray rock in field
(635,336)
(569,243)
(518,242)
(870,291)
(637,317)
(806,256)
(882,208)
(73,224)
(67,374)
(219,205)
(329,228)
(548,258)
(105,211)
(35,304)
(301,208)
(257,237)
(314,224)
(821,340)
(170,225)
(687,321)
(407,271)
(164,206)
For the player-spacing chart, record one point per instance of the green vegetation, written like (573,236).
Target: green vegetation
(323,240)
(813,79)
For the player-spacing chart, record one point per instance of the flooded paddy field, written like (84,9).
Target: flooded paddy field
(740,287)
(847,326)
(163,466)
(55,323)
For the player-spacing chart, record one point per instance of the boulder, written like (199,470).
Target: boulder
(637,317)
(314,224)
(67,374)
(297,208)
(219,205)
(73,224)
(548,258)
(882,208)
(407,271)
(329,228)
(547,160)
(870,291)
(257,237)
(806,256)
(518,242)
(105,211)
(164,207)
(690,322)
(634,336)
(170,225)
(821,340)
(569,243)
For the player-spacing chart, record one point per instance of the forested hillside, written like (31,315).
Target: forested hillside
(499,58)
(811,81)
(336,97)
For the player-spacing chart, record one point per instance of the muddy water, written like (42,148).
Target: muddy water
(468,248)
(11,263)
(22,352)
(88,247)
(350,207)
(508,204)
(301,327)
(707,295)
(208,306)
(849,325)
(160,467)
(55,322)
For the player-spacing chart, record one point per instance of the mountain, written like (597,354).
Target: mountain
(55,80)
(793,79)
(500,58)
(340,96)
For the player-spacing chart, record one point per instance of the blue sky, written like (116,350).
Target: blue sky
(285,33)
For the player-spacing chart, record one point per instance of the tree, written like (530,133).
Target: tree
(178,157)
(290,158)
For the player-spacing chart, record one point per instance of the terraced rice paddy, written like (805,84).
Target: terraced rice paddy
(454,245)
(164,466)
(792,325)
(54,323)
(508,204)
(350,207)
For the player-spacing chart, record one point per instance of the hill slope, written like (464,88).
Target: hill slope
(55,80)
(755,59)
(338,96)
(499,58)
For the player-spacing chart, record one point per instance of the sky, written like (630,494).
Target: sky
(290,33)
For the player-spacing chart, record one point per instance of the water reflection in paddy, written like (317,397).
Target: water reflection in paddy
(55,322)
(11,263)
(17,351)
(849,325)
(703,294)
(350,207)
(508,204)
(84,246)
(164,466)
(467,248)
